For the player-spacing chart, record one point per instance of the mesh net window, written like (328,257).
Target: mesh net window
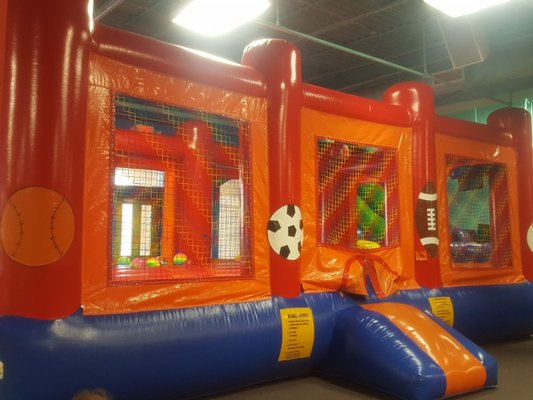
(357,195)
(480,229)
(181,192)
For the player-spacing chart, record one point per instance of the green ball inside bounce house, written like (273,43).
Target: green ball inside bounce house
(179,259)
(123,261)
(153,262)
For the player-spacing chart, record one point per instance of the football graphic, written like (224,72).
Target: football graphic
(285,232)
(426,219)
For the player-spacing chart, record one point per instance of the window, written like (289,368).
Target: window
(126,231)
(181,187)
(229,220)
(478,214)
(138,205)
(357,195)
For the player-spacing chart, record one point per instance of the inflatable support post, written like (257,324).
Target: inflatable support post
(279,62)
(518,122)
(418,99)
(42,139)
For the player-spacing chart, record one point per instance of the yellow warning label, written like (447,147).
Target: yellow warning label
(298,333)
(1,370)
(442,307)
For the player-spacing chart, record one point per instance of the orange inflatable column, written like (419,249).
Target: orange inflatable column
(417,98)
(518,122)
(279,62)
(42,135)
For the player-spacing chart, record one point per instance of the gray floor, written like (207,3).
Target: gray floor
(515,376)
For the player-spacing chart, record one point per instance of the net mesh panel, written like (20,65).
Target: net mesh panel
(478,198)
(181,187)
(357,195)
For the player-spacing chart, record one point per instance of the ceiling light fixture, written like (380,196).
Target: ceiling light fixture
(456,8)
(215,17)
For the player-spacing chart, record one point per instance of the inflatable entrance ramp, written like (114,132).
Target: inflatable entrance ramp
(398,349)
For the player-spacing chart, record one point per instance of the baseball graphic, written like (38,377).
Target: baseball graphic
(37,226)
(530,237)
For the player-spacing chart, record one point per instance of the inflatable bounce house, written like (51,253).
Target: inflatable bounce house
(174,226)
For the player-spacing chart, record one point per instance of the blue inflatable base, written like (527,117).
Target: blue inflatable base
(195,352)
(484,314)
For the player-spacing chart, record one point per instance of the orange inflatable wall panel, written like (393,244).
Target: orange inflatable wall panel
(108,77)
(327,268)
(454,276)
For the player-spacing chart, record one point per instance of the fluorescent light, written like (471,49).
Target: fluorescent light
(215,17)
(456,8)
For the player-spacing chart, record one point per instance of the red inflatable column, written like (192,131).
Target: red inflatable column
(3,23)
(42,134)
(196,202)
(418,99)
(518,122)
(279,62)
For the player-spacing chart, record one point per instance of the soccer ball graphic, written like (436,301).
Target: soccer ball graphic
(285,232)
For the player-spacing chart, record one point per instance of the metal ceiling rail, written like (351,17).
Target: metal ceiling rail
(347,50)
(357,18)
(102,12)
(427,77)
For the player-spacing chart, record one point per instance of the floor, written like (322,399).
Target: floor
(515,376)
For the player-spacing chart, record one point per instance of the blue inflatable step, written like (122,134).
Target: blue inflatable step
(400,350)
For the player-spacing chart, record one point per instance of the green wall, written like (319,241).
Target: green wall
(480,114)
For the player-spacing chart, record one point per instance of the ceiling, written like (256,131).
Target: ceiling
(336,36)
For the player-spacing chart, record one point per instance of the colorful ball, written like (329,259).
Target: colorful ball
(180,259)
(126,261)
(138,263)
(153,262)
